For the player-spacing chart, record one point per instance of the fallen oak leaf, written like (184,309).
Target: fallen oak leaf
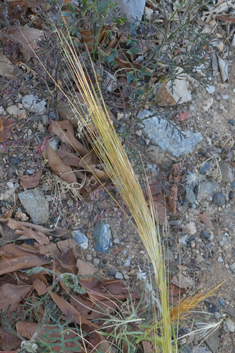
(40,237)
(15,257)
(65,131)
(30,181)
(64,171)
(70,312)
(11,295)
(7,70)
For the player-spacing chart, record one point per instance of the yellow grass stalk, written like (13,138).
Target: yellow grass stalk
(108,147)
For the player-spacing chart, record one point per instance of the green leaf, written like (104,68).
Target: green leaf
(66,14)
(71,7)
(103,6)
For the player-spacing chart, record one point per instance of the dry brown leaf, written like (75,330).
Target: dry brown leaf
(9,341)
(206,220)
(89,163)
(64,129)
(182,281)
(106,289)
(14,257)
(30,181)
(71,312)
(11,295)
(6,126)
(27,37)
(59,168)
(69,158)
(40,286)
(160,208)
(6,68)
(85,269)
(41,238)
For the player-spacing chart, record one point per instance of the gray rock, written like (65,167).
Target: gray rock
(32,102)
(210,89)
(220,259)
(88,257)
(229,325)
(103,237)
(219,199)
(208,188)
(96,262)
(130,9)
(35,205)
(111,272)
(227,174)
(233,185)
(80,239)
(183,240)
(230,311)
(127,262)
(190,196)
(119,275)
(206,166)
(213,340)
(13,110)
(205,234)
(201,349)
(167,137)
(168,255)
(185,349)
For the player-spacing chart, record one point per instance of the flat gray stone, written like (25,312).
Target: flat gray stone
(230,311)
(190,196)
(227,174)
(80,239)
(213,340)
(103,237)
(208,188)
(35,205)
(168,138)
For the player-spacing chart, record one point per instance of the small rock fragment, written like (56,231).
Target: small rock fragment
(210,89)
(207,104)
(35,205)
(227,174)
(80,239)
(208,188)
(190,196)
(229,325)
(103,237)
(111,272)
(205,234)
(13,110)
(219,199)
(88,257)
(119,275)
(231,121)
(32,102)
(206,166)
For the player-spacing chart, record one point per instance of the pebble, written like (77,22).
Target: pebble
(210,89)
(233,185)
(183,240)
(13,110)
(219,199)
(229,325)
(208,188)
(127,262)
(44,120)
(36,205)
(227,174)
(103,237)
(96,262)
(14,160)
(119,275)
(220,259)
(221,302)
(88,257)
(80,239)
(225,96)
(168,255)
(231,121)
(205,234)
(190,196)
(206,166)
(111,272)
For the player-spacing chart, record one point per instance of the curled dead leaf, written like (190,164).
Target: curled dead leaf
(30,181)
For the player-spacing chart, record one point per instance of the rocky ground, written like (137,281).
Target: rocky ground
(198,238)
